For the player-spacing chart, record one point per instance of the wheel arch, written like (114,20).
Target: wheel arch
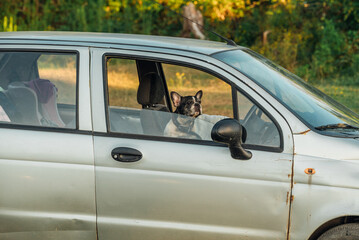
(333,223)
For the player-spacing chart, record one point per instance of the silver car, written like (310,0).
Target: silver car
(93,144)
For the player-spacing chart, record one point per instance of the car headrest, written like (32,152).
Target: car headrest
(26,103)
(150,91)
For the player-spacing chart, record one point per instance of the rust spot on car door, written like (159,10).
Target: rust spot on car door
(286,202)
(305,132)
(290,198)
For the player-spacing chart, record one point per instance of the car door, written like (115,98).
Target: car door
(154,186)
(47,188)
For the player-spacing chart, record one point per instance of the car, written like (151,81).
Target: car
(93,144)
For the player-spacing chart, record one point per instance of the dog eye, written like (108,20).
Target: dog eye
(190,102)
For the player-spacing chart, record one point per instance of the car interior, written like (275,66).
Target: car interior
(26,98)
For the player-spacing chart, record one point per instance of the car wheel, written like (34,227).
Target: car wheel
(348,231)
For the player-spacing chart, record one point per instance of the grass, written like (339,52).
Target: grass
(346,95)
(65,82)
(123,85)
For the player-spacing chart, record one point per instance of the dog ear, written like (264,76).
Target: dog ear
(199,95)
(176,99)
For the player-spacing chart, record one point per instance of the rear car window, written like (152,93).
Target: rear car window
(38,89)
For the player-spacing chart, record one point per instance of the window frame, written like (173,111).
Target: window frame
(160,61)
(47,128)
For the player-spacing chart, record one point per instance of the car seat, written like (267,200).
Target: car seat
(25,103)
(46,93)
(154,114)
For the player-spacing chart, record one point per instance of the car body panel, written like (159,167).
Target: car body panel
(101,39)
(189,194)
(336,165)
(331,192)
(46,174)
(50,193)
(329,147)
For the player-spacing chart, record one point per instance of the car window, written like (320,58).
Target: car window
(140,99)
(169,100)
(38,89)
(260,128)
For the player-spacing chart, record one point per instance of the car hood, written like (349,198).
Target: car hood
(322,146)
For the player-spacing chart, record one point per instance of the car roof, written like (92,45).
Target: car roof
(98,39)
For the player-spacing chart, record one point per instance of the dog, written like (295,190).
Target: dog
(188,108)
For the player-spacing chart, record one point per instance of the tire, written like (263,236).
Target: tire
(348,231)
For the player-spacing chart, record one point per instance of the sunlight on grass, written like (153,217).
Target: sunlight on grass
(346,95)
(65,82)
(216,96)
(123,85)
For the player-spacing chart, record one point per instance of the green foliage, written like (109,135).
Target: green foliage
(318,40)
(329,56)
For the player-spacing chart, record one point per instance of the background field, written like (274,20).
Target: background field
(346,95)
(60,69)
(123,85)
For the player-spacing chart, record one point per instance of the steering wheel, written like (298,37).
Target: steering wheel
(257,128)
(253,114)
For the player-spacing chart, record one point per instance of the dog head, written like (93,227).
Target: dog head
(187,105)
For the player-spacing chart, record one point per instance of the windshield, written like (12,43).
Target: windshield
(313,107)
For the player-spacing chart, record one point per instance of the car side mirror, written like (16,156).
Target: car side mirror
(231,132)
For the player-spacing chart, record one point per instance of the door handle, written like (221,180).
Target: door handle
(124,154)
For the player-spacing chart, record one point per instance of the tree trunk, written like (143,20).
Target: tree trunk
(190,12)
